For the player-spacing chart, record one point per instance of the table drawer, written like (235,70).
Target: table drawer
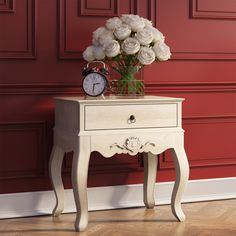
(107,117)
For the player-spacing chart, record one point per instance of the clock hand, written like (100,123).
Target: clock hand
(94,86)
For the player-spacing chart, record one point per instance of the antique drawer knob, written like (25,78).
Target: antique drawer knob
(132,119)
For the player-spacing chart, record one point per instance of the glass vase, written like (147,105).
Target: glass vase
(127,85)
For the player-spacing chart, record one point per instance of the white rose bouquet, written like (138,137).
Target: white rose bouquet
(127,44)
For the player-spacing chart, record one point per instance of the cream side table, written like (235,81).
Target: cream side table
(113,125)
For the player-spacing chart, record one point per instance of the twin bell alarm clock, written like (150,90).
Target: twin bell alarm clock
(95,80)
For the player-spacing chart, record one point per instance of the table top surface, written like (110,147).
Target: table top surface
(105,99)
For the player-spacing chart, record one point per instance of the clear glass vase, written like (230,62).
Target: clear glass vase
(127,85)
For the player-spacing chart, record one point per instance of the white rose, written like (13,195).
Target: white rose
(134,21)
(122,32)
(113,23)
(137,25)
(147,22)
(124,18)
(162,51)
(146,56)
(130,46)
(88,54)
(127,18)
(98,52)
(95,42)
(102,36)
(157,35)
(144,36)
(112,49)
(106,38)
(98,32)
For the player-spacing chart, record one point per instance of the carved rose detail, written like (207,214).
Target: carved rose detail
(132,145)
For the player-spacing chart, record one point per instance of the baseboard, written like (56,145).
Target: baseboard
(111,197)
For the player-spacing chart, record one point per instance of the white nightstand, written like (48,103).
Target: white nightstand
(149,124)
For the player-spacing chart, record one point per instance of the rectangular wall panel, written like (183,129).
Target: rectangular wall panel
(7,6)
(22,148)
(205,142)
(94,8)
(213,9)
(197,39)
(17,29)
(81,15)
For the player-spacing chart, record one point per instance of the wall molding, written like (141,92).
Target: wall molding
(7,6)
(198,11)
(63,52)
(121,196)
(111,11)
(184,55)
(30,52)
(75,88)
(41,88)
(190,87)
(152,11)
(38,128)
(220,161)
(212,161)
(152,14)
(134,7)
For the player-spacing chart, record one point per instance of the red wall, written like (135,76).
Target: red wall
(40,57)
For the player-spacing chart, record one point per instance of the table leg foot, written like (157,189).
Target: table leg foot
(182,174)
(79,181)
(81,223)
(150,170)
(55,165)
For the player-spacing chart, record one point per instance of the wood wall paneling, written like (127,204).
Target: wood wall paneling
(74,14)
(55,89)
(205,142)
(7,6)
(152,11)
(23,150)
(95,8)
(190,87)
(213,9)
(21,26)
(197,39)
(201,35)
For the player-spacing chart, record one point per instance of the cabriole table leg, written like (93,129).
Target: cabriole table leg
(79,181)
(55,165)
(150,170)
(182,175)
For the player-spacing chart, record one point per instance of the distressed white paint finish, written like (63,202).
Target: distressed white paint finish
(55,165)
(150,171)
(85,125)
(79,181)
(117,117)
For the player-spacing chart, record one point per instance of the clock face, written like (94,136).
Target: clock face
(94,84)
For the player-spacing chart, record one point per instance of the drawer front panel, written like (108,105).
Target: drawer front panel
(130,116)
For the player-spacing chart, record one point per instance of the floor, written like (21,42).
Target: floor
(215,218)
